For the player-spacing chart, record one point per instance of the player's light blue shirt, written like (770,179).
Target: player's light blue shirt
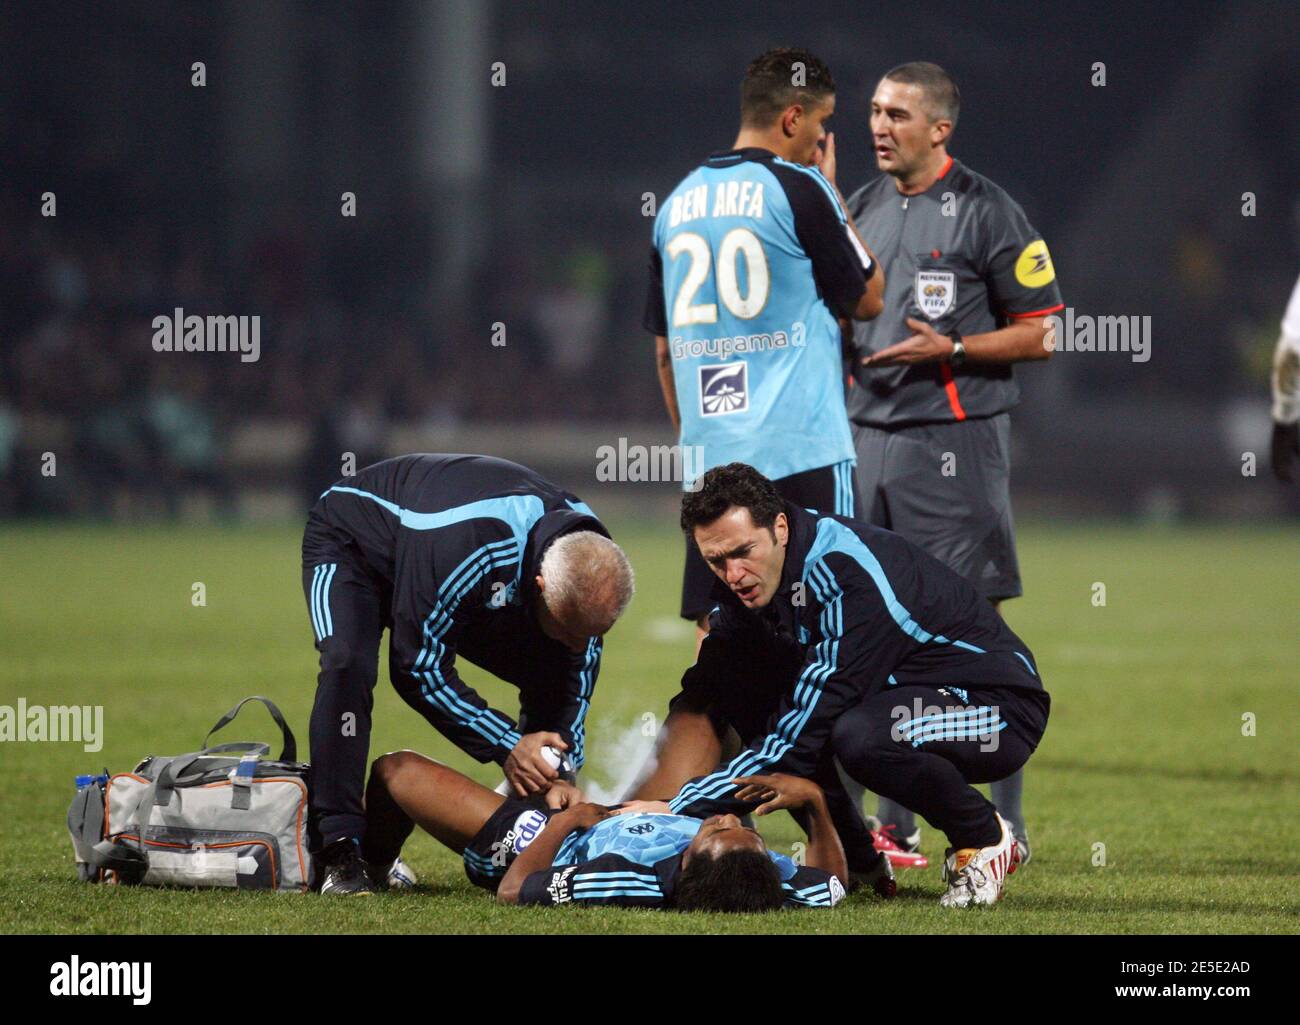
(755,261)
(644,839)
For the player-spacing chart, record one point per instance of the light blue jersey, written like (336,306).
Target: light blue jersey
(631,860)
(755,262)
(642,838)
(645,839)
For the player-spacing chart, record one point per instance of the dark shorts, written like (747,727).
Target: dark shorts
(946,488)
(830,489)
(511,828)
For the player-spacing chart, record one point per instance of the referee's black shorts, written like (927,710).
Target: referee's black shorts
(831,489)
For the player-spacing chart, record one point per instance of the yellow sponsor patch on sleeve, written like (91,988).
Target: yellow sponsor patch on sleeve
(1034,265)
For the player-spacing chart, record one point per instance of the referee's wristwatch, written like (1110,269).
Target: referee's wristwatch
(958,355)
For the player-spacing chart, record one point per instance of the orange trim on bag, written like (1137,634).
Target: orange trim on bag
(108,805)
(302,868)
(270,852)
(302,804)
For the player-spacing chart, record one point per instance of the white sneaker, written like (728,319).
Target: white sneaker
(975,876)
(397,877)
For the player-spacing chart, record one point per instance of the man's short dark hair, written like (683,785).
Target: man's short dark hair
(734,881)
(941,95)
(770,85)
(737,484)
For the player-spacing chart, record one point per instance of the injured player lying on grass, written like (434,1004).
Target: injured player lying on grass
(555,848)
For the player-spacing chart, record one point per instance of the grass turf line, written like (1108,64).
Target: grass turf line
(1144,752)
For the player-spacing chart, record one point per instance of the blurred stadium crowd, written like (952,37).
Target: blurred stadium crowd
(226,200)
(79,378)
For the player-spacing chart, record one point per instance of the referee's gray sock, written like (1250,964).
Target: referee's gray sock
(1006,796)
(903,820)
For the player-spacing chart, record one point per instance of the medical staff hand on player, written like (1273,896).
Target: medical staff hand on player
(563,794)
(777,791)
(526,766)
(581,816)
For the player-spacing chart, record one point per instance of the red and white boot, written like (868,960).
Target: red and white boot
(976,875)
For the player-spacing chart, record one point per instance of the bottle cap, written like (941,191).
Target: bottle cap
(556,760)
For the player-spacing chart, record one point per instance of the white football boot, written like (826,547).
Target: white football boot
(976,875)
(400,876)
(397,876)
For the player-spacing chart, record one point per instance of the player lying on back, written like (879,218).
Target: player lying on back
(554,848)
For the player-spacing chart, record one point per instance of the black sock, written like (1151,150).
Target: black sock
(387,826)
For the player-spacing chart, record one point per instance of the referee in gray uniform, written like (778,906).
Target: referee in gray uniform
(969,283)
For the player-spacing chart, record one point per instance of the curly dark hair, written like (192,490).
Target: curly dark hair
(769,85)
(737,484)
(735,881)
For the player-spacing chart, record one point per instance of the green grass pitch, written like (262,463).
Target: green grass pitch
(1144,754)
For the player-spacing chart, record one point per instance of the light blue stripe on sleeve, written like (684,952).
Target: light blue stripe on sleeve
(328,617)
(311,604)
(835,537)
(519,511)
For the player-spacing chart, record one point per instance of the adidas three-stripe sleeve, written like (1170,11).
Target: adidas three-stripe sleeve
(854,643)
